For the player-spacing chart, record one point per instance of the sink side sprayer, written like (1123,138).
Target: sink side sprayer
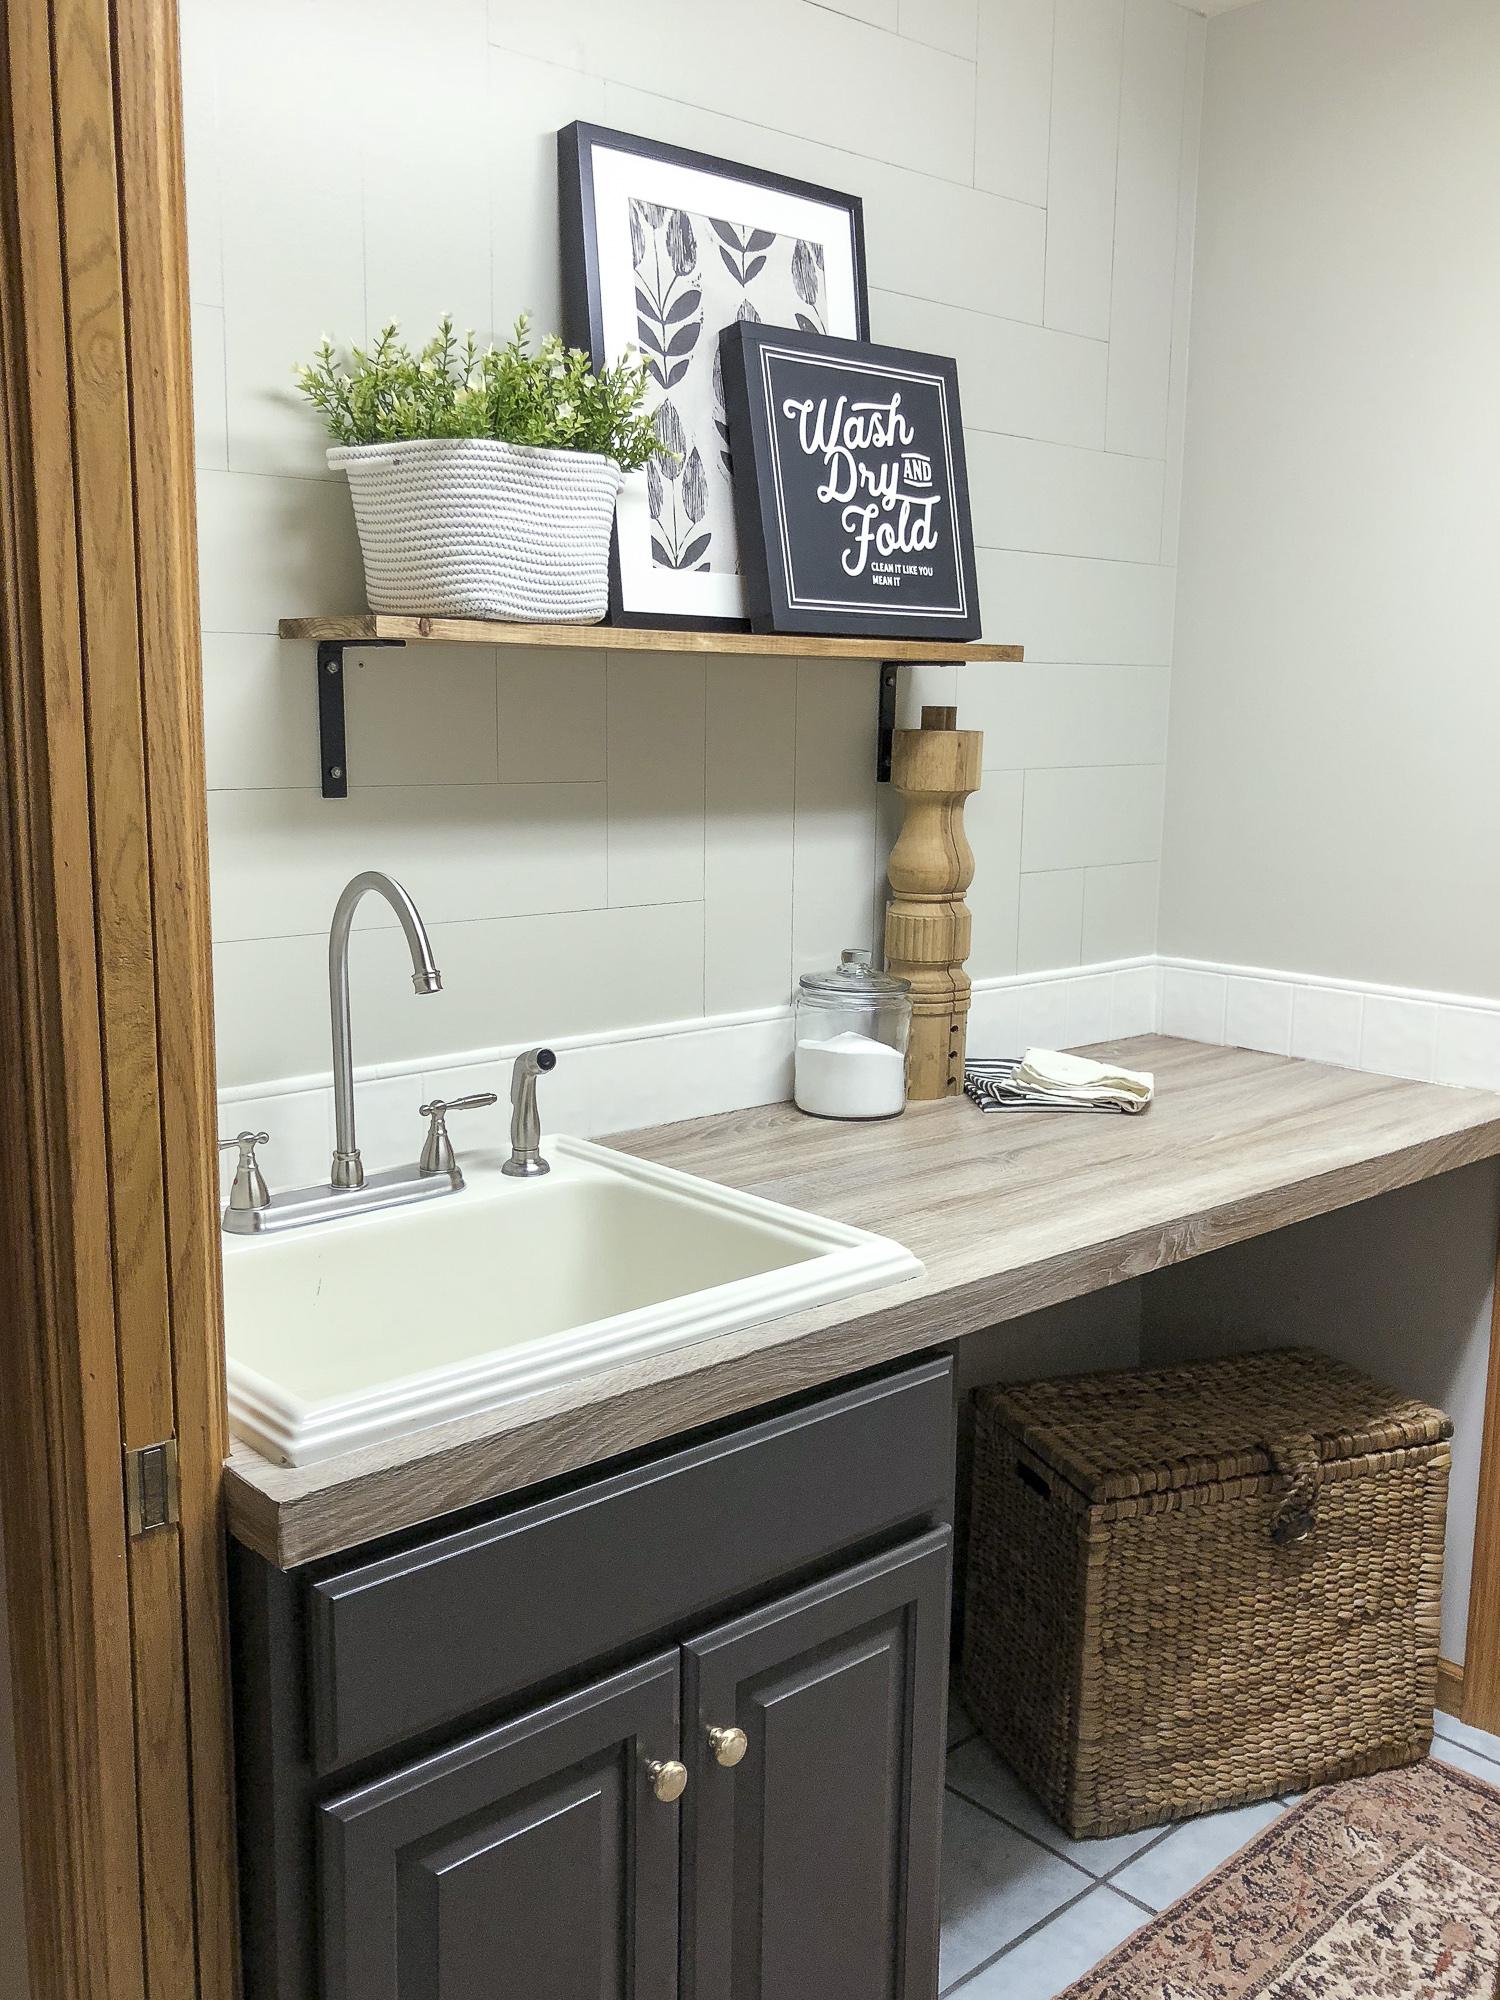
(349,1190)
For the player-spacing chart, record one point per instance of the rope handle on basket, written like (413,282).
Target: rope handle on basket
(1295,1459)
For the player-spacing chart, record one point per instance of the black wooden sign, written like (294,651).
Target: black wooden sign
(851,493)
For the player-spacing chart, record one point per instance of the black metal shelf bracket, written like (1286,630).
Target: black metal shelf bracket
(886,723)
(333,755)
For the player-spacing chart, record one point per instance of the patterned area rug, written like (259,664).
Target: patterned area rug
(1385,1888)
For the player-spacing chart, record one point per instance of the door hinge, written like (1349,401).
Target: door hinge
(151,1500)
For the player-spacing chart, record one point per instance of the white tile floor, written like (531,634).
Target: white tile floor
(1026,1910)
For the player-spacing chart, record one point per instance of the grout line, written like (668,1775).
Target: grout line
(1022,1937)
(987,312)
(1126,1897)
(783,132)
(1010,1825)
(1441,1736)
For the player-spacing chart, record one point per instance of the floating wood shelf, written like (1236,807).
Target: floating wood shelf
(383,628)
(379,628)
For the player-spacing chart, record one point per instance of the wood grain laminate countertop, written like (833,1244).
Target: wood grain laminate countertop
(1009,1212)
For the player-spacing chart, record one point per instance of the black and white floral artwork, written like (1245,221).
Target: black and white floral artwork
(693,275)
(662,248)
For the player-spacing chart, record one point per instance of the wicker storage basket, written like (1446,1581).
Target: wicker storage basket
(1193,1587)
(472,528)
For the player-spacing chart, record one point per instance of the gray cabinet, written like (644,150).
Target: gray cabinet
(811,1866)
(531,1862)
(448,1747)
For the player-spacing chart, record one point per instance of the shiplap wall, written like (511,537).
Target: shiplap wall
(603,843)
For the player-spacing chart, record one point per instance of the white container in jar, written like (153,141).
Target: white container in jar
(852,1028)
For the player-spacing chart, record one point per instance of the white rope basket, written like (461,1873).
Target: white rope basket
(472,528)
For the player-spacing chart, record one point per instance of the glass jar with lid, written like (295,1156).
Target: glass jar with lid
(852,1028)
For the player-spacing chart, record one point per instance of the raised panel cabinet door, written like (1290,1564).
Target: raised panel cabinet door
(811,1864)
(532,1862)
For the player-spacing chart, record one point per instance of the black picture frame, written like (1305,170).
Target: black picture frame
(641,590)
(851,486)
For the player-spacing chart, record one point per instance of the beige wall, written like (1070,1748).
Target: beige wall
(606,843)
(1400,1287)
(1331,798)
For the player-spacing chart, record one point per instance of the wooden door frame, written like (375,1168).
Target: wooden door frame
(109,1261)
(1473,1691)
(110,1311)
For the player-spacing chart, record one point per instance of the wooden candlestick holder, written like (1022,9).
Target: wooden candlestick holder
(927,922)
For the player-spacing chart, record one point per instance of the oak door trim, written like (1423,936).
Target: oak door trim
(109,1267)
(1481,1666)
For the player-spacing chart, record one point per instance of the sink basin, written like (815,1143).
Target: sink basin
(350,1332)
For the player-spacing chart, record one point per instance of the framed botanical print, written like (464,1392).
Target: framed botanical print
(663,248)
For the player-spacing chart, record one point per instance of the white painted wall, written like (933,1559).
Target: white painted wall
(1331,804)
(1400,1286)
(606,844)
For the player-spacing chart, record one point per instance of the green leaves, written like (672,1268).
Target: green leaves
(551,398)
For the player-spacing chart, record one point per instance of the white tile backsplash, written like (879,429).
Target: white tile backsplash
(210,414)
(260,711)
(424,249)
(834,820)
(1326,1024)
(421,715)
(272,548)
(1015,98)
(992,820)
(914,106)
(1119,911)
(1030,381)
(655,707)
(879,13)
(550,712)
(1399,1037)
(1153,83)
(1258,1015)
(1058,500)
(945,24)
(1468,1047)
(750,782)
(1076,612)
(1094,817)
(1087,47)
(1050,927)
(278,860)
(292,214)
(1039,715)
(1192,1004)
(726,813)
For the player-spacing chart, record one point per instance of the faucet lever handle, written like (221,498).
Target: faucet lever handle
(437,1153)
(249,1191)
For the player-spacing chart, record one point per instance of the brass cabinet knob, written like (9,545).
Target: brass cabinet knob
(728,1745)
(668,1779)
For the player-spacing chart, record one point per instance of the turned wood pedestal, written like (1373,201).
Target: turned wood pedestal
(927,922)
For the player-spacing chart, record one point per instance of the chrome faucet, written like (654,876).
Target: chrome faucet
(347,1170)
(525,1123)
(251,1211)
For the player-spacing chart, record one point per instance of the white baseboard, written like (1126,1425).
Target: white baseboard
(614,1081)
(1388,1030)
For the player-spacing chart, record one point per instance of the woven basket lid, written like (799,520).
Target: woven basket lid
(1114,1436)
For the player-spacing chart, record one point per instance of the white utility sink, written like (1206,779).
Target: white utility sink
(349,1332)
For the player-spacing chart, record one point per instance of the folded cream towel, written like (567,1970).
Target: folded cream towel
(1084,1081)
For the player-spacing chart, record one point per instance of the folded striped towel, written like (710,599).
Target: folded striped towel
(1049,1080)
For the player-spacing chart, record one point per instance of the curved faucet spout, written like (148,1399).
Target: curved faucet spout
(425,977)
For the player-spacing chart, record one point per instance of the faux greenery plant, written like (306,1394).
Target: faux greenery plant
(452,390)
